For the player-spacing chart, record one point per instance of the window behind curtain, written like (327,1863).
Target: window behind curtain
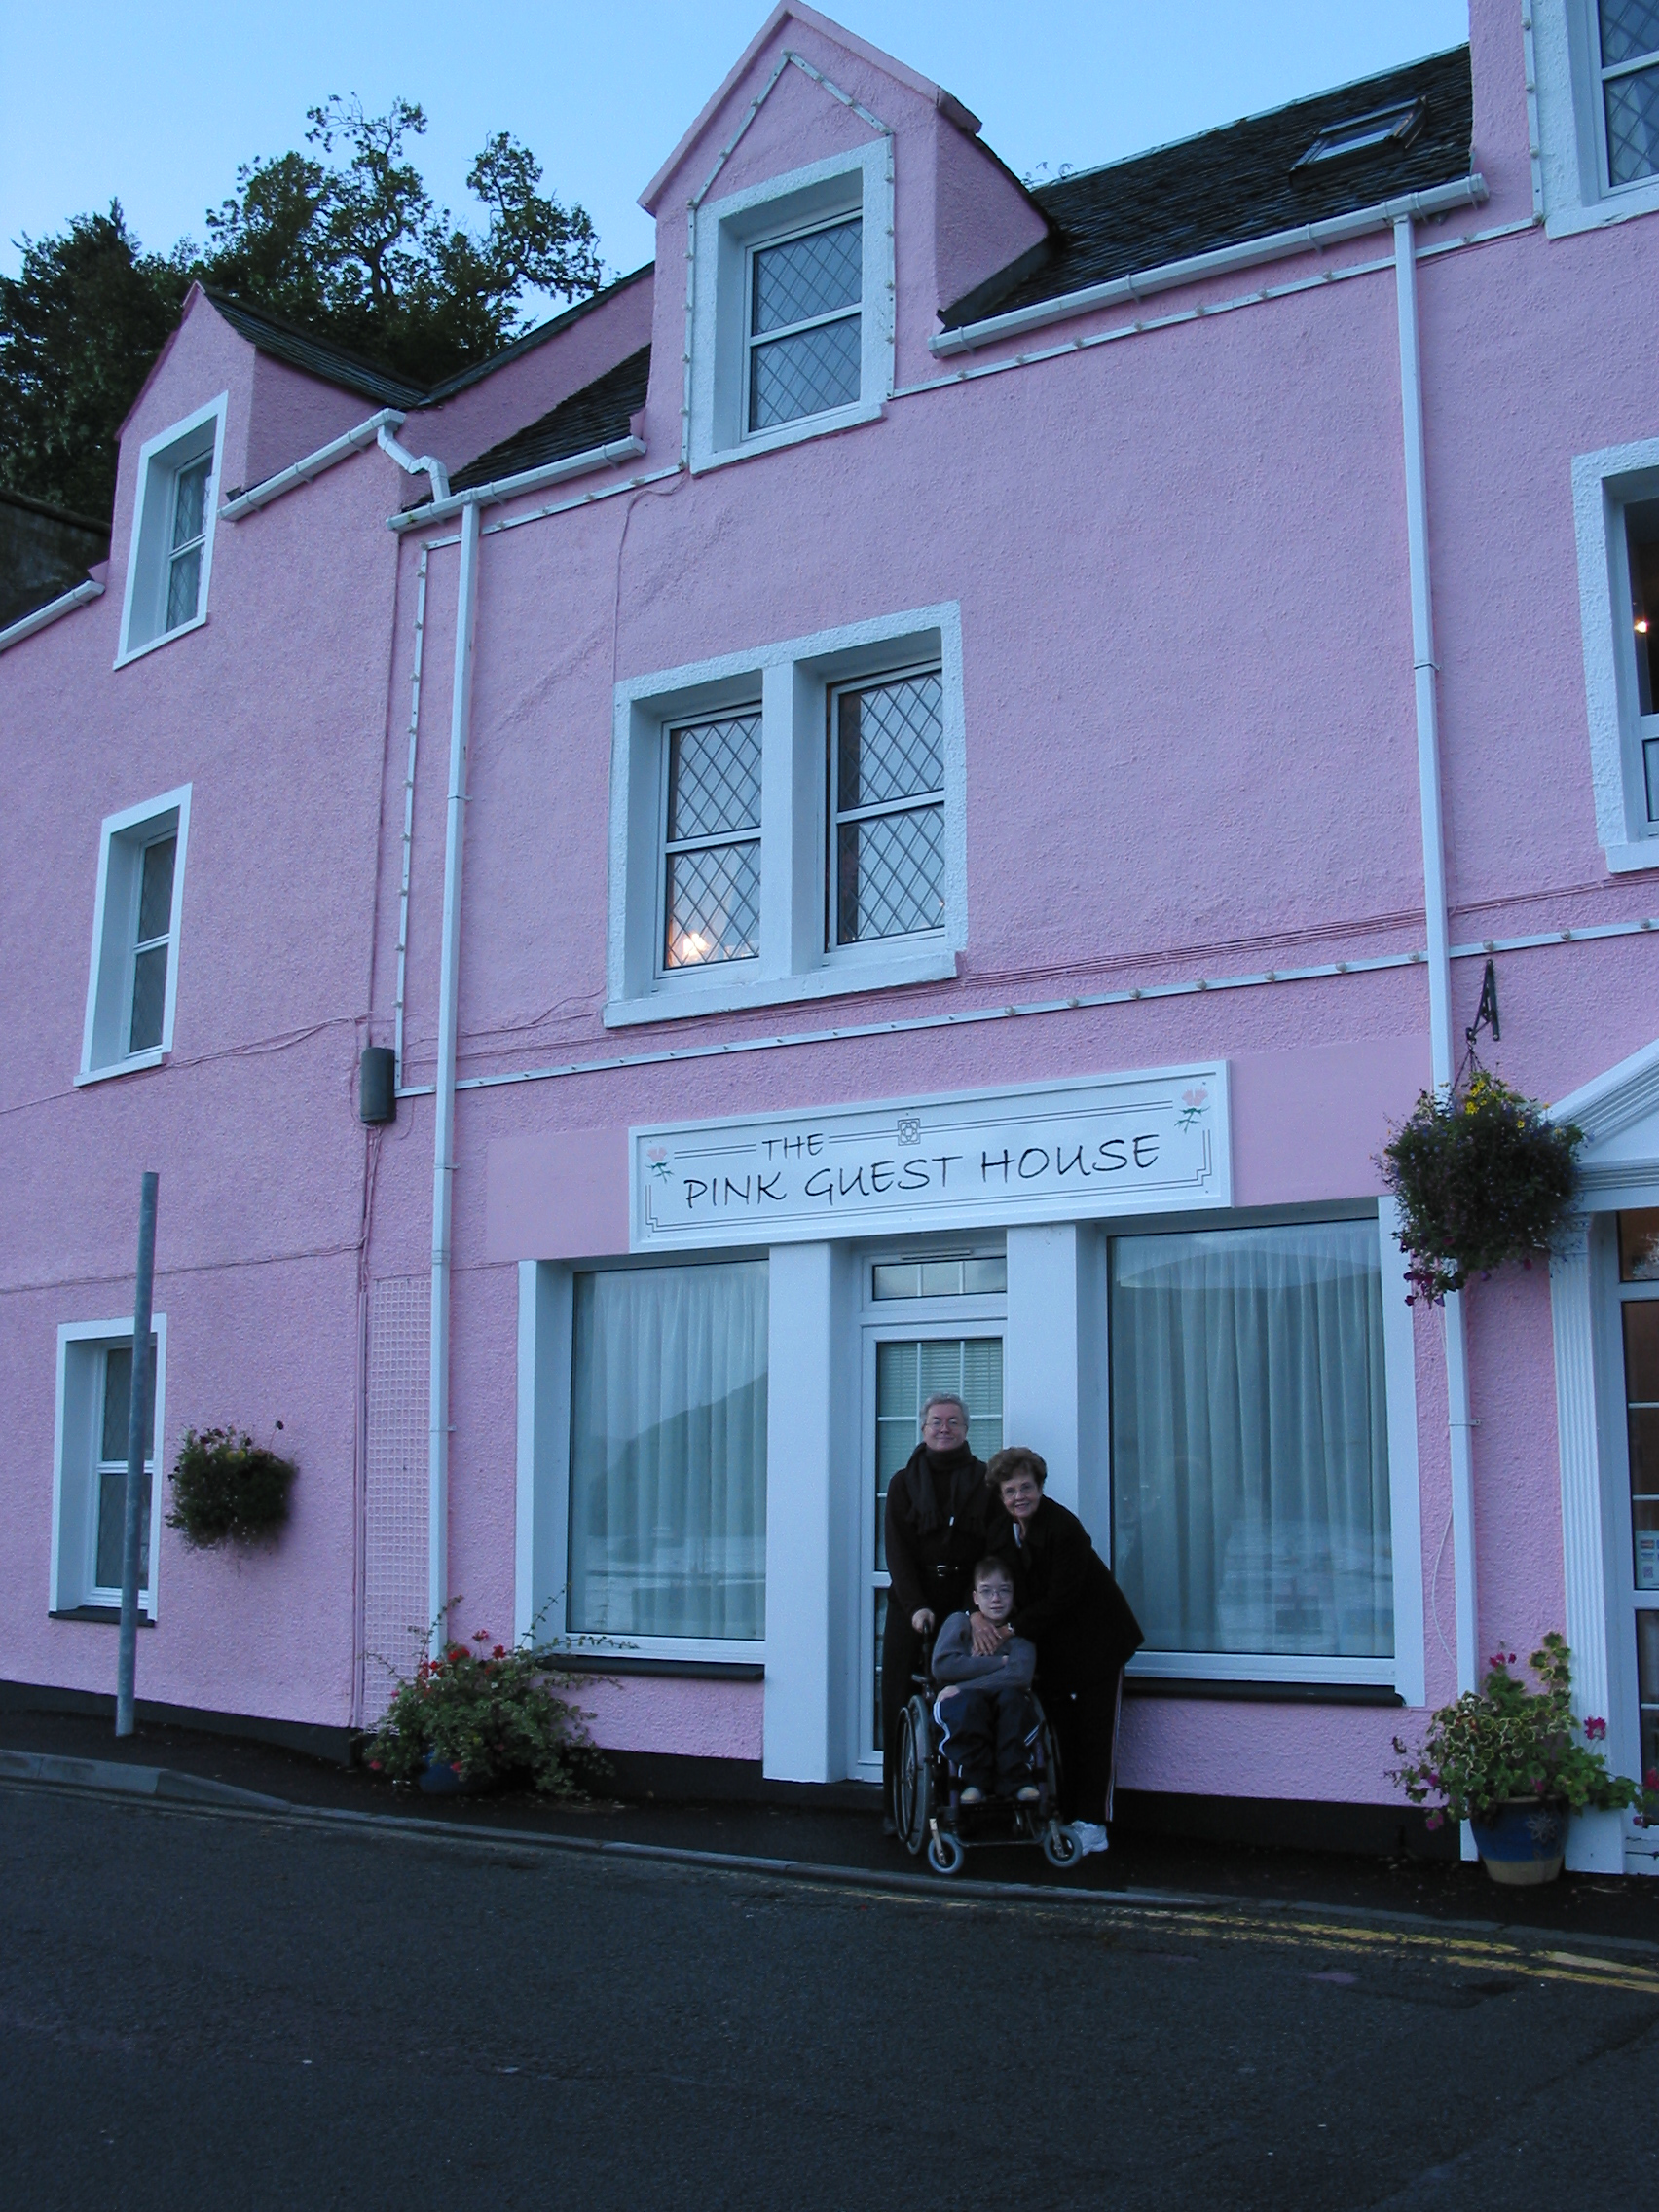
(114,1417)
(668,1453)
(1249,1441)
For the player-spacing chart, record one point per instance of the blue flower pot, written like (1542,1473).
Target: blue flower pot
(1525,1844)
(438,1779)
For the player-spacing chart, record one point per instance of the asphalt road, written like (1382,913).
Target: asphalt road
(202,2009)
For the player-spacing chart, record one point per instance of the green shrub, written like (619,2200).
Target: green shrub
(1482,1176)
(225,1488)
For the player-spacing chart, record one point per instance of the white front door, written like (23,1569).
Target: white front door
(931,1324)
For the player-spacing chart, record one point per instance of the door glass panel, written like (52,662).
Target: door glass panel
(908,1373)
(1641,1413)
(1648,1681)
(1639,1246)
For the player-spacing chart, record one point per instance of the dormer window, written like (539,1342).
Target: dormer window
(172,547)
(792,307)
(804,325)
(1395,125)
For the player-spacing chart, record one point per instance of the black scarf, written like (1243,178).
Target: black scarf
(925,1472)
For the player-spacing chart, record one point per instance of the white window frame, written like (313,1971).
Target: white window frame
(793,681)
(75,1459)
(546,1347)
(115,919)
(727,233)
(1567,65)
(1405,1671)
(161,459)
(1603,485)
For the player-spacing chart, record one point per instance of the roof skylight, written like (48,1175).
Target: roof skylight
(1393,125)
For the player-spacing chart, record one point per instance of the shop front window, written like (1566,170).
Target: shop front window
(668,1453)
(1249,1441)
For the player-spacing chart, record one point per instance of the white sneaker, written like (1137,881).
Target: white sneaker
(1087,1835)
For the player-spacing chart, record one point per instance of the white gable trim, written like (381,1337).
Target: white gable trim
(1618,1112)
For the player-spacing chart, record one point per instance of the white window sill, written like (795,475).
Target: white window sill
(1625,860)
(1260,1667)
(154,645)
(674,1002)
(790,434)
(1618,206)
(122,1067)
(579,1651)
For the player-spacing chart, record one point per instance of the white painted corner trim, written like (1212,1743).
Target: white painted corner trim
(313,464)
(1194,269)
(54,608)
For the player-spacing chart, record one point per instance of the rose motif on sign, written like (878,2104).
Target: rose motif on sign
(658,1158)
(1192,1107)
(909,1128)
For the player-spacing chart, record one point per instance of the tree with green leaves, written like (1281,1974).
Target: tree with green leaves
(342,239)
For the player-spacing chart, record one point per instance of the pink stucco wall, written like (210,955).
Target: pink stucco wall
(1180,561)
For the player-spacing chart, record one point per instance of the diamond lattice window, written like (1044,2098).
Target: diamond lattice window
(887,778)
(712,850)
(1630,87)
(805,324)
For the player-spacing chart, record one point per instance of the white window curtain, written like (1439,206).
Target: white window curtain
(668,1453)
(1249,1441)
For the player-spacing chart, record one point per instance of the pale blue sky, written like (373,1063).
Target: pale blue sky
(155,102)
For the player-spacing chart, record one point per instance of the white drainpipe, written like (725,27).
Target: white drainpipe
(443,1136)
(1439,933)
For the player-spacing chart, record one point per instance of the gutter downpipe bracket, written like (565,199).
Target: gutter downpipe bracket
(1249,253)
(416,464)
(444,503)
(1424,670)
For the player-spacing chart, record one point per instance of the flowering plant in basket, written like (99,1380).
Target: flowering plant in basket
(225,1487)
(490,1713)
(1483,1176)
(1504,1742)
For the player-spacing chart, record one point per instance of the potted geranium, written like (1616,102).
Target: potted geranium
(1515,1764)
(228,1489)
(476,1715)
(1483,1176)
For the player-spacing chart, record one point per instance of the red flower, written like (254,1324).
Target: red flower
(499,1652)
(1595,1730)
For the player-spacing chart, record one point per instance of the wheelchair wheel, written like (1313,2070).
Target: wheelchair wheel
(912,1781)
(946,1854)
(1060,1845)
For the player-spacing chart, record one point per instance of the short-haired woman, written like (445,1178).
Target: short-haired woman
(934,1532)
(1067,1603)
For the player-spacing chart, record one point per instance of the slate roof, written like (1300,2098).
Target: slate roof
(595,416)
(317,357)
(1231,185)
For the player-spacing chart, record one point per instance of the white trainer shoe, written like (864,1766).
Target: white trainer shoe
(1087,1835)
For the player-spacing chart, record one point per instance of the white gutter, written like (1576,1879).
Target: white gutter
(443,1138)
(27,624)
(416,464)
(314,464)
(510,487)
(1277,245)
(1424,671)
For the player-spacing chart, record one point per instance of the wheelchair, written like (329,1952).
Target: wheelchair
(927,1794)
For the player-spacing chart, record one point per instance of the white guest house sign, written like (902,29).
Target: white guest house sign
(1124,1144)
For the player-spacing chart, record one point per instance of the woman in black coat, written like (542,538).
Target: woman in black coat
(1066,1601)
(933,1535)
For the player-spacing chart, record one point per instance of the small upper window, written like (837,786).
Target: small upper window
(129,997)
(1394,125)
(1628,36)
(173,531)
(804,325)
(1641,551)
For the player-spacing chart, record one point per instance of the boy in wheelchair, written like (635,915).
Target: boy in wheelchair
(984,1708)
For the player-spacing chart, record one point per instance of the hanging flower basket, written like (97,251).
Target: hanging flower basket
(1482,1176)
(228,1489)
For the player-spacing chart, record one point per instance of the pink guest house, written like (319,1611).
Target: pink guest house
(895,802)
